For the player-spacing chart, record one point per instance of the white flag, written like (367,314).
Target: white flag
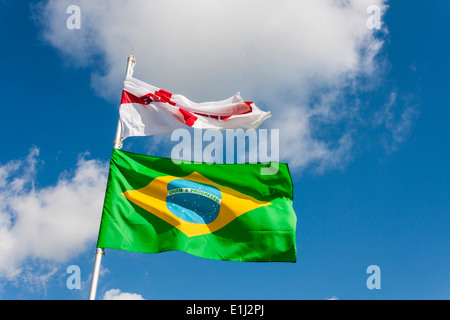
(146,110)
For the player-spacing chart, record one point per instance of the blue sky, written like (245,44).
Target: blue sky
(367,144)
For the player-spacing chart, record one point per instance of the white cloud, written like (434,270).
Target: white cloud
(302,60)
(50,224)
(211,47)
(116,294)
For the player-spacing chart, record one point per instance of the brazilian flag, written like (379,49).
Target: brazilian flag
(215,211)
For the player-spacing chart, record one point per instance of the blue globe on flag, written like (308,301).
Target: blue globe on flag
(192,201)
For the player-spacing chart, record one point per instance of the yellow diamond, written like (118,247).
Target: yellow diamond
(152,198)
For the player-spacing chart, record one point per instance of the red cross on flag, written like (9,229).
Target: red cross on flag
(147,110)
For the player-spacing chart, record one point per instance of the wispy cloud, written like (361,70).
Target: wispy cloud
(398,118)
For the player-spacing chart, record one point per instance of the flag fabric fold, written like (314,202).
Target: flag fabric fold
(147,110)
(215,211)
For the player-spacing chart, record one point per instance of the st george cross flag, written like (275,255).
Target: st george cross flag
(147,110)
(214,211)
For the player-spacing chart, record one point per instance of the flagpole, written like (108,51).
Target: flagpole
(100,252)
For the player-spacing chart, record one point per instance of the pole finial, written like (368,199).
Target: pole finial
(131,57)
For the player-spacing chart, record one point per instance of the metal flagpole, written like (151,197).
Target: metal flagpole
(100,252)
